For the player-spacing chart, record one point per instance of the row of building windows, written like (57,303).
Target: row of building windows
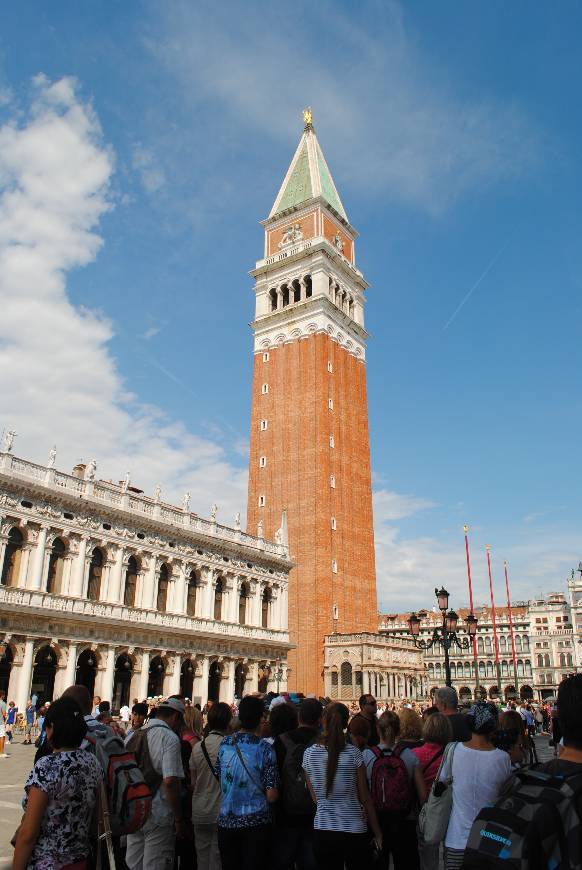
(486,669)
(566,661)
(485,644)
(11,573)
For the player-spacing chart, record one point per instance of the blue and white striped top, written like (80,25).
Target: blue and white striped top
(341,811)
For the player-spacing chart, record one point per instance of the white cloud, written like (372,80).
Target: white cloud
(151,332)
(394,506)
(58,380)
(391,121)
(145,163)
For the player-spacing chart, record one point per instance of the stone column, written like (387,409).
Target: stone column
(116,578)
(144,675)
(22,579)
(205,667)
(227,682)
(78,570)
(284,612)
(107,678)
(255,603)
(180,590)
(174,681)
(275,608)
(38,565)
(207,598)
(71,670)
(25,676)
(149,585)
(365,682)
(232,600)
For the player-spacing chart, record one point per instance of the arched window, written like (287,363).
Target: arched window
(308,289)
(527,668)
(162,600)
(86,670)
(502,644)
(504,669)
(569,660)
(453,671)
(296,291)
(431,670)
(54,580)
(547,660)
(562,660)
(193,584)
(488,647)
(346,680)
(12,554)
(156,677)
(265,601)
(240,676)
(482,670)
(122,681)
(540,661)
(467,669)
(525,643)
(480,646)
(518,646)
(218,595)
(273,298)
(95,572)
(520,671)
(285,294)
(243,597)
(437,670)
(489,669)
(130,581)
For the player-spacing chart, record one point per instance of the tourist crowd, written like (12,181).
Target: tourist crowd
(285,783)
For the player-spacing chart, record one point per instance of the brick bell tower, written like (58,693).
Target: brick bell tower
(309,446)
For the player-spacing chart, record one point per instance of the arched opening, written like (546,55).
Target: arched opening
(156,677)
(12,556)
(334,684)
(518,643)
(218,596)
(525,643)
(193,584)
(6,660)
(502,644)
(465,694)
(273,298)
(86,670)
(351,307)
(95,573)
(240,676)
(308,286)
(346,680)
(494,692)
(214,673)
(526,693)
(481,670)
(162,598)
(480,645)
(187,678)
(540,661)
(263,679)
(243,597)
(265,607)
(285,295)
(547,660)
(54,580)
(481,693)
(488,646)
(43,674)
(489,669)
(122,681)
(510,693)
(504,669)
(130,582)
(296,291)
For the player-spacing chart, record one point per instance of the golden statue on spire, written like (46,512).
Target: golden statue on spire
(308,118)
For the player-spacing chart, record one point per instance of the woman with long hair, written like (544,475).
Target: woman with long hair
(60,795)
(336,777)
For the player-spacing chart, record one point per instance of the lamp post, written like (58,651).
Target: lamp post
(445,635)
(278,674)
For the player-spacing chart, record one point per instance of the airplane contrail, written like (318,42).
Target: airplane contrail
(475,285)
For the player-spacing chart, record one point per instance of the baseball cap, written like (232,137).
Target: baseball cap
(173,704)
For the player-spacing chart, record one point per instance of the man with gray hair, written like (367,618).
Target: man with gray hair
(447,702)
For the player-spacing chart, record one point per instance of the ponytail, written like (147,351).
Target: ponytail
(336,719)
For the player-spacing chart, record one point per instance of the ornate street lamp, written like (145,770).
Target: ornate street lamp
(445,635)
(278,673)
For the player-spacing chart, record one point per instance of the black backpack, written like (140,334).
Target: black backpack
(295,796)
(533,825)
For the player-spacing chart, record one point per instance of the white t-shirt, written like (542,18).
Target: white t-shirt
(477,779)
(164,747)
(124,714)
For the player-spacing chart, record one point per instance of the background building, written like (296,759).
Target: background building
(309,445)
(132,597)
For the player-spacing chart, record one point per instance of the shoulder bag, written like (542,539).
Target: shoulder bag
(435,813)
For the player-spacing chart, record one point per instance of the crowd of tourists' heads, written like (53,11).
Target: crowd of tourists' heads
(289,784)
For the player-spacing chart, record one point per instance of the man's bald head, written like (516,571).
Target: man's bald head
(81,695)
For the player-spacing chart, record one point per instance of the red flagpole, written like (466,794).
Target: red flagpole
(488,548)
(511,630)
(466,530)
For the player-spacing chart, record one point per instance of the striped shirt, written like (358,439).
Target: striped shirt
(341,810)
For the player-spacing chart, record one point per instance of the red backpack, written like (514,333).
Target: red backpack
(390,784)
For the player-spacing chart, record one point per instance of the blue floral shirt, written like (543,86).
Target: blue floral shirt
(243,801)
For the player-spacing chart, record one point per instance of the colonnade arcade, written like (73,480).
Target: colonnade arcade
(66,563)
(349,682)
(45,667)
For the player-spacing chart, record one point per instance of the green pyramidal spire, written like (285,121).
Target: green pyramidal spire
(308,175)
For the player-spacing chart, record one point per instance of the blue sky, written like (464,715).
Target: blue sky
(142,143)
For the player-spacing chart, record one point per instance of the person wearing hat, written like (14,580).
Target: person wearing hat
(153,846)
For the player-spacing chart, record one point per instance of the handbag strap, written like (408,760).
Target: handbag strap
(448,753)
(207,757)
(242,761)
(434,758)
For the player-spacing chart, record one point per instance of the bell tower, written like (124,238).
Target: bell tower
(309,445)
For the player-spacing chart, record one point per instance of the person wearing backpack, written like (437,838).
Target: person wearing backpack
(157,750)
(206,787)
(396,785)
(295,808)
(537,820)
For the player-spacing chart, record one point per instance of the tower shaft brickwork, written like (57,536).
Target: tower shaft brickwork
(309,446)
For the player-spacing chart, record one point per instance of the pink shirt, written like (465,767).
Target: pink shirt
(426,756)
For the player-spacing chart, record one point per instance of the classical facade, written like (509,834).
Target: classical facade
(546,646)
(309,444)
(390,668)
(133,597)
